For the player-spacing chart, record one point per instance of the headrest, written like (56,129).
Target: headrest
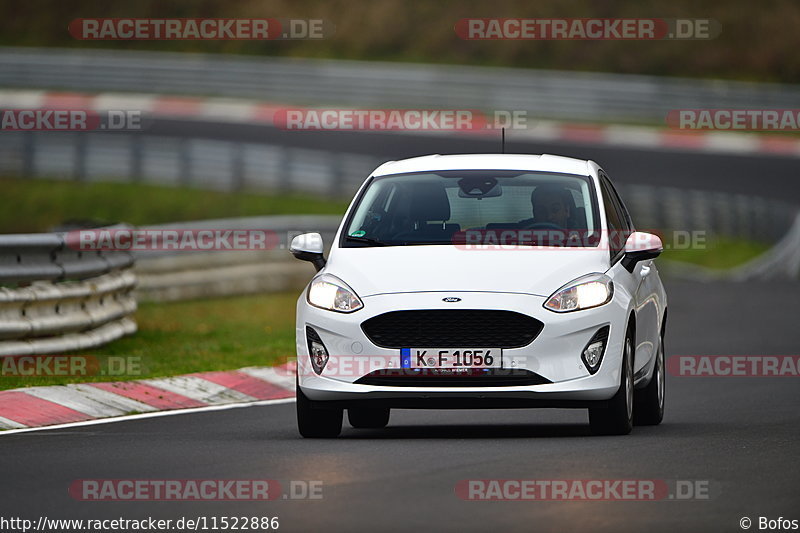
(429,202)
(558,190)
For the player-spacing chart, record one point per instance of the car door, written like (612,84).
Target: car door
(642,282)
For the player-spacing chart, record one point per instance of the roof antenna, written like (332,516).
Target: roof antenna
(503,140)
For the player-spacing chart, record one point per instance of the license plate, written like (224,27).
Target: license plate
(451,358)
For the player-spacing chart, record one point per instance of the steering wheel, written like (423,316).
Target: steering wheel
(541,225)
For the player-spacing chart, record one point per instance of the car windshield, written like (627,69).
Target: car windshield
(475,207)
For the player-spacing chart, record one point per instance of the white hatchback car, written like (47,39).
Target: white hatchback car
(482,281)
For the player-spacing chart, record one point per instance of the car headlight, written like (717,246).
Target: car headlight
(329,292)
(583,293)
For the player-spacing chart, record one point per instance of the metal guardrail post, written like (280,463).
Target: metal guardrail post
(237,167)
(137,156)
(185,155)
(337,176)
(81,154)
(28,154)
(285,170)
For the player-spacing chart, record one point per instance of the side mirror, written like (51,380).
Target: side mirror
(641,246)
(308,247)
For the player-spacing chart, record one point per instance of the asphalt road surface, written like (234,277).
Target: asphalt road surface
(737,436)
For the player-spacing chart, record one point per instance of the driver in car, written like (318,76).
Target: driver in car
(551,206)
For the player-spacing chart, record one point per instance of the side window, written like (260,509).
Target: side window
(626,217)
(616,226)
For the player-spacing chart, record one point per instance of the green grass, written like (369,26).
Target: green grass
(34,205)
(719,253)
(196,336)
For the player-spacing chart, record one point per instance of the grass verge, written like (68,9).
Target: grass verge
(719,253)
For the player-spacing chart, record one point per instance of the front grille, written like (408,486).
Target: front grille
(452,328)
(495,377)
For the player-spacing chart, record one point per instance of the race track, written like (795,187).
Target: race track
(738,435)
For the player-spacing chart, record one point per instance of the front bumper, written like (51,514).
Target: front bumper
(554,355)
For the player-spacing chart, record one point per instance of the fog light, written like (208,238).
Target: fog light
(316,350)
(593,353)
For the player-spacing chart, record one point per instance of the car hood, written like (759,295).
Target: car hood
(431,268)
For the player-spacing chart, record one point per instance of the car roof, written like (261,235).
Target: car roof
(533,162)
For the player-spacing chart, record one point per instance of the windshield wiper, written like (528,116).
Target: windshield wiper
(365,240)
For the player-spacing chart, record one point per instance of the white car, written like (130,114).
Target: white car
(482,281)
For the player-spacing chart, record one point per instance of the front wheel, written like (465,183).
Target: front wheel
(649,401)
(617,417)
(314,422)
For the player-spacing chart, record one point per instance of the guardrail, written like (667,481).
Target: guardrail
(543,93)
(47,257)
(57,299)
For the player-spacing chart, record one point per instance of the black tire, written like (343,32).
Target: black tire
(316,423)
(617,417)
(368,417)
(649,401)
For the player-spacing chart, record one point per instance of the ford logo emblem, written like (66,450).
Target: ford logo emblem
(451,299)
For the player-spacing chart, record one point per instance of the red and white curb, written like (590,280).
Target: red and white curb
(63,404)
(255,112)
